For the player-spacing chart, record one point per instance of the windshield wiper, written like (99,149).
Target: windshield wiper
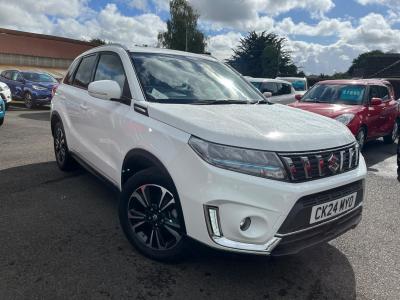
(218,102)
(264,101)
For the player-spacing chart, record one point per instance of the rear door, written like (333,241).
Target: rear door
(389,113)
(376,117)
(74,94)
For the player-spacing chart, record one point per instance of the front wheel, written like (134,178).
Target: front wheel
(361,138)
(151,216)
(391,138)
(29,102)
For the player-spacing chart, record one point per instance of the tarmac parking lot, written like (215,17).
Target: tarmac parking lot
(60,238)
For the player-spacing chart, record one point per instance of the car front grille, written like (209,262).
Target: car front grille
(305,166)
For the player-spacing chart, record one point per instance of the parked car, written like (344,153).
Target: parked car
(5,94)
(277,91)
(34,88)
(196,151)
(366,107)
(300,84)
(2,111)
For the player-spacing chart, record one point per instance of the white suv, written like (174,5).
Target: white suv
(196,151)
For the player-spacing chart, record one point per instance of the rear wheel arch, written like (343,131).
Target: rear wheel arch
(55,118)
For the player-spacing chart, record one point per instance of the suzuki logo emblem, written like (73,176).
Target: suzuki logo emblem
(333,163)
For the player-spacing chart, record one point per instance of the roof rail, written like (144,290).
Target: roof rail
(117,45)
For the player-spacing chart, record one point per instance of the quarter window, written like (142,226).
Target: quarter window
(84,73)
(69,77)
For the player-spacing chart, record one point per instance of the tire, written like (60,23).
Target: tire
(391,138)
(63,157)
(361,138)
(151,216)
(29,102)
(1,121)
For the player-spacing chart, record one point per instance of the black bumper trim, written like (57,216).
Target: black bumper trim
(294,243)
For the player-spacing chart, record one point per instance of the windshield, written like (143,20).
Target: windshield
(182,79)
(298,84)
(336,94)
(38,77)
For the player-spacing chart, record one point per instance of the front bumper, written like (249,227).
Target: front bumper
(267,202)
(42,97)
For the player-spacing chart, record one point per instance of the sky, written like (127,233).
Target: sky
(324,36)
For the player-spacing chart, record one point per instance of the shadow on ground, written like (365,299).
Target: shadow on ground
(61,239)
(377,151)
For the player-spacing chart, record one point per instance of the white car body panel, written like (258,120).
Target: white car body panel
(103,132)
(6,92)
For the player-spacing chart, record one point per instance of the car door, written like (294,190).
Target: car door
(375,112)
(74,94)
(270,87)
(17,83)
(104,118)
(389,112)
(284,94)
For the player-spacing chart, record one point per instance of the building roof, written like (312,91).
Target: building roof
(252,79)
(354,81)
(40,45)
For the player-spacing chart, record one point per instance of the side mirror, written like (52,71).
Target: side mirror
(267,94)
(376,101)
(105,89)
(298,97)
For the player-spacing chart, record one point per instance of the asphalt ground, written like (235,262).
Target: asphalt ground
(60,238)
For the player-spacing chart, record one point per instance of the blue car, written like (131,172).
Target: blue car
(2,111)
(34,88)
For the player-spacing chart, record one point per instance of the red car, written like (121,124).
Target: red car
(366,106)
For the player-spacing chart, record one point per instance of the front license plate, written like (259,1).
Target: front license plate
(333,208)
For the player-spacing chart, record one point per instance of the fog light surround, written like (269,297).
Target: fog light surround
(245,224)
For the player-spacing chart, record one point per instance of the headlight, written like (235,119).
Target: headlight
(253,162)
(345,118)
(39,88)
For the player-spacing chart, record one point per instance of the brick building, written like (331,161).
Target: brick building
(31,51)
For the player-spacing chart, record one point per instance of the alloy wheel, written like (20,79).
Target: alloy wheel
(395,131)
(361,139)
(60,145)
(28,100)
(153,217)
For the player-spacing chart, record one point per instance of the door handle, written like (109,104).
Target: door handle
(83,107)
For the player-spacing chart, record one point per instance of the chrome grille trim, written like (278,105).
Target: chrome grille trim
(311,165)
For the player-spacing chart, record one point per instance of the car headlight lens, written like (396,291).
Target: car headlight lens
(345,118)
(253,162)
(39,88)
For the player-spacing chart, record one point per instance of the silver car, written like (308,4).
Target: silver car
(277,91)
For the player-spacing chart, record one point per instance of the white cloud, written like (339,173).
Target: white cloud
(326,27)
(221,45)
(71,20)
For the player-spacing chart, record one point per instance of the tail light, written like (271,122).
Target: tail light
(54,90)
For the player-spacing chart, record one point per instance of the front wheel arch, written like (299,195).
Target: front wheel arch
(137,160)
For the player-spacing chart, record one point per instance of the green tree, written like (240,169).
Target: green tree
(97,42)
(361,61)
(263,55)
(182,32)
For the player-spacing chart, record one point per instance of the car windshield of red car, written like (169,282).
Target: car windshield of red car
(336,94)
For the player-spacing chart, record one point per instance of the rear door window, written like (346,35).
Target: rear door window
(69,77)
(384,93)
(84,73)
